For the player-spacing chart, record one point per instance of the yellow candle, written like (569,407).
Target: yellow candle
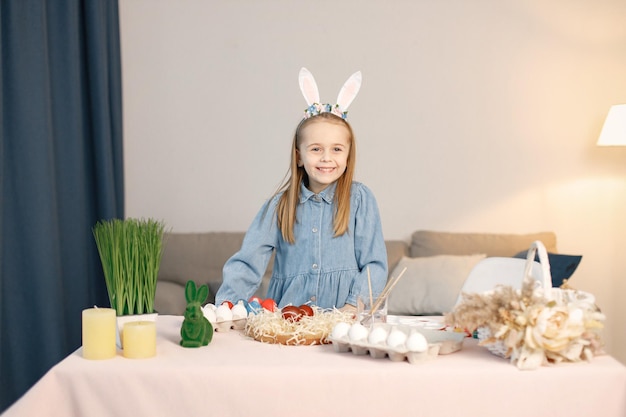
(99,327)
(139,339)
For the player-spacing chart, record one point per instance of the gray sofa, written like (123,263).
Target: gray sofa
(201,256)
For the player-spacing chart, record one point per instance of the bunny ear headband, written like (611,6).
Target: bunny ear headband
(348,92)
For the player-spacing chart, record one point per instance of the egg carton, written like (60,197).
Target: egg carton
(440,342)
(224,318)
(226,325)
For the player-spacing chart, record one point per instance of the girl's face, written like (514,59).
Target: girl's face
(323,152)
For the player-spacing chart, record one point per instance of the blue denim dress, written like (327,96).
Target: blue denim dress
(318,268)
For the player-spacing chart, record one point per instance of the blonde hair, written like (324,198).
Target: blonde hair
(288,203)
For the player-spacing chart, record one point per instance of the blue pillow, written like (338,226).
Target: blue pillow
(561,266)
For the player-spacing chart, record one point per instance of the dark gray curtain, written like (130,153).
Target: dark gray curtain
(61,171)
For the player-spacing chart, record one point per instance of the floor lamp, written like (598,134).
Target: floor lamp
(614,130)
(614,133)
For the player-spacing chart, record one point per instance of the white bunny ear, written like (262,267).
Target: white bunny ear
(308,86)
(349,91)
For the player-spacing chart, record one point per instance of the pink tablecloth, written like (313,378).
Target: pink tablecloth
(236,376)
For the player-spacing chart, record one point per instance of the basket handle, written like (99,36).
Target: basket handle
(538,247)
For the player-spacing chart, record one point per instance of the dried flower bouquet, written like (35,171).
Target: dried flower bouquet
(531,330)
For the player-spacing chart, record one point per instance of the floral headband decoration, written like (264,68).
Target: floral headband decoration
(311,94)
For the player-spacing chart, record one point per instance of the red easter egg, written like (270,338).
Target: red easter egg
(306,310)
(269,304)
(291,313)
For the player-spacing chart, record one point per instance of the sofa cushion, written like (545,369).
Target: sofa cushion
(197,256)
(430,285)
(429,243)
(170,298)
(192,256)
(561,266)
(396,250)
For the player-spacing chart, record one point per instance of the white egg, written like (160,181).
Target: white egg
(377,336)
(210,306)
(223,313)
(239,312)
(417,342)
(396,338)
(340,330)
(209,313)
(358,332)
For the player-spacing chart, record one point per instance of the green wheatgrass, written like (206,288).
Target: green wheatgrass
(130,251)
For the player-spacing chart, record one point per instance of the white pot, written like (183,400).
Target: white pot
(122,320)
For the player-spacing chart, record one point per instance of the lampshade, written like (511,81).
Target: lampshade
(614,129)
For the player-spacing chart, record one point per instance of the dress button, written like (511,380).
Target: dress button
(314,266)
(312,298)
(317,198)
(314,230)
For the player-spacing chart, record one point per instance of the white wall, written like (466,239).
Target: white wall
(476,116)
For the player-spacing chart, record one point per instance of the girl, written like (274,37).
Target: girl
(324,227)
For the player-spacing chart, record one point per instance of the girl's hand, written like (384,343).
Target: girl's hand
(348,308)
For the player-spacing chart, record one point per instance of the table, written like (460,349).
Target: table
(237,376)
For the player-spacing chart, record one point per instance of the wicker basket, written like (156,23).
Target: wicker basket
(544,288)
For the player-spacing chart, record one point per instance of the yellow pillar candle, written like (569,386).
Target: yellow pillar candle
(99,327)
(139,339)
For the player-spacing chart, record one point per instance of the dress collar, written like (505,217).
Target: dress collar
(327,194)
